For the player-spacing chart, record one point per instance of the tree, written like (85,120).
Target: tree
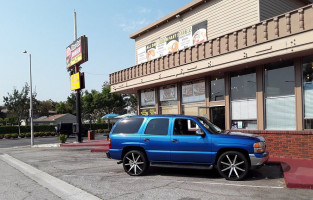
(44,107)
(131,102)
(89,108)
(62,108)
(17,104)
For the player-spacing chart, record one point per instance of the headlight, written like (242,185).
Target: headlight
(259,147)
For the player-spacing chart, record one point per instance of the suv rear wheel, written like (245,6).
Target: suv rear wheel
(233,165)
(135,163)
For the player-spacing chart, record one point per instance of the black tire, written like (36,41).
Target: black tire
(135,163)
(233,166)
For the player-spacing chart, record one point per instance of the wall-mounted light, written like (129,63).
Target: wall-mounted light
(178,16)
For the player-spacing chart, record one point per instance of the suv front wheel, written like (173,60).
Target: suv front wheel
(135,163)
(233,165)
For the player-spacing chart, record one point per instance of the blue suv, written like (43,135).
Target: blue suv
(184,141)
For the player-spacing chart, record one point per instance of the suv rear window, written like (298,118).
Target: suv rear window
(128,126)
(157,127)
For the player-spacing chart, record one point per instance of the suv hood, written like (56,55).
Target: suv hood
(245,135)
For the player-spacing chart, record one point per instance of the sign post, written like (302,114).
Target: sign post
(76,54)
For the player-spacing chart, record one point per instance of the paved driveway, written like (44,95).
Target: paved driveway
(103,178)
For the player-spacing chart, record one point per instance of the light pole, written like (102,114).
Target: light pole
(31,101)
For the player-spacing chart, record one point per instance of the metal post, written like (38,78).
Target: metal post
(78,105)
(31,103)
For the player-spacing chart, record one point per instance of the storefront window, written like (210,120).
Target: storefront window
(217,90)
(280,102)
(147,103)
(193,97)
(168,99)
(308,91)
(193,91)
(243,100)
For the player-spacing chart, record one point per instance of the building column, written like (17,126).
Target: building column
(157,100)
(260,97)
(298,94)
(179,97)
(227,102)
(207,96)
(138,102)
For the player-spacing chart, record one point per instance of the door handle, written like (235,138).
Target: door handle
(174,140)
(146,140)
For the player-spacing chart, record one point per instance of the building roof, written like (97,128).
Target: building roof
(51,118)
(177,14)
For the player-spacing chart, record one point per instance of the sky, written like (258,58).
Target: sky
(45,28)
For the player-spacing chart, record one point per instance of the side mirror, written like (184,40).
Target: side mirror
(200,132)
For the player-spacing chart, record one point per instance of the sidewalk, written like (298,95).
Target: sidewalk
(298,173)
(101,145)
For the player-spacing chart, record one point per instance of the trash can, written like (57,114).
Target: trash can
(91,135)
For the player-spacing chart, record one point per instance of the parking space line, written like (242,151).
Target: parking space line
(240,185)
(58,187)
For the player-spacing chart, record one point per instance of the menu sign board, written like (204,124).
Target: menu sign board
(182,39)
(193,91)
(147,97)
(77,52)
(168,93)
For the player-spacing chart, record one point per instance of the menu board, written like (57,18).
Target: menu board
(182,39)
(147,97)
(168,93)
(193,91)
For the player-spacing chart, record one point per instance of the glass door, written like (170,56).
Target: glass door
(217,116)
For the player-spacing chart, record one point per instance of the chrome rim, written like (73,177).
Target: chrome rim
(232,166)
(134,164)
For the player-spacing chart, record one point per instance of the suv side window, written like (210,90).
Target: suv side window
(185,127)
(157,126)
(128,126)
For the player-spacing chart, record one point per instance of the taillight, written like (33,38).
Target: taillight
(109,142)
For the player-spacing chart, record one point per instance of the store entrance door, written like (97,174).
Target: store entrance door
(217,116)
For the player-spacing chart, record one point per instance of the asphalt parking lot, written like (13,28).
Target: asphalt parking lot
(103,178)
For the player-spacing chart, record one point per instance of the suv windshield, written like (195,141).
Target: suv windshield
(209,126)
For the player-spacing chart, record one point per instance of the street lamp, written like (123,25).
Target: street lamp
(31,101)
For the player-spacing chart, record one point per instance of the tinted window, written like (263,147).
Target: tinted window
(279,79)
(217,89)
(243,85)
(128,125)
(185,127)
(157,127)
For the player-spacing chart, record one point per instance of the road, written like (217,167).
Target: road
(103,178)
(8,143)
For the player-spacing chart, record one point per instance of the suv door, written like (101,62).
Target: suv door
(186,146)
(155,139)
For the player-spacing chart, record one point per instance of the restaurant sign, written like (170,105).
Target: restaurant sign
(77,52)
(182,39)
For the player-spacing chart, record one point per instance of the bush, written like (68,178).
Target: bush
(22,135)
(41,134)
(62,138)
(36,134)
(14,135)
(52,133)
(1,136)
(28,135)
(7,136)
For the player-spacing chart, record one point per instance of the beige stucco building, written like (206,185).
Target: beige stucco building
(246,65)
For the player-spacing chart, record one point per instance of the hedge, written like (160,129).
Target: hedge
(46,128)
